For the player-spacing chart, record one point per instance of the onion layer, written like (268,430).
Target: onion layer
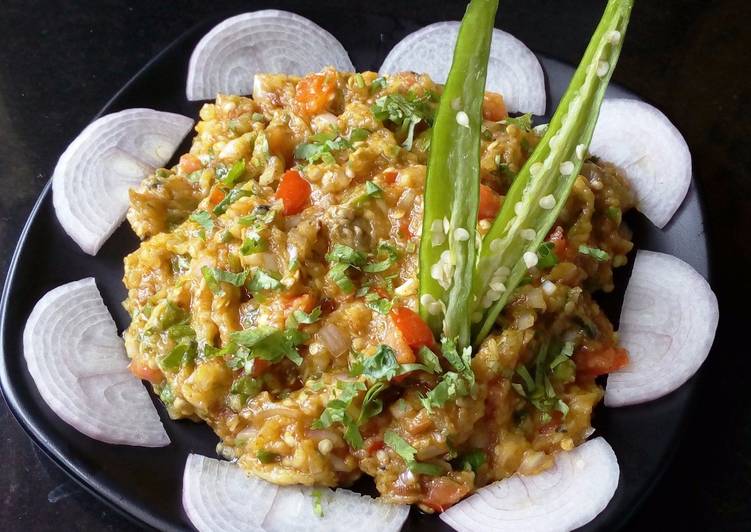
(641,141)
(80,368)
(114,153)
(667,324)
(513,70)
(219,497)
(269,41)
(569,495)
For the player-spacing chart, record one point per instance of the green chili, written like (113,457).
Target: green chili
(448,244)
(544,183)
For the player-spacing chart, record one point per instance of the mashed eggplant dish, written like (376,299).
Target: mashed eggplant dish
(275,295)
(388,276)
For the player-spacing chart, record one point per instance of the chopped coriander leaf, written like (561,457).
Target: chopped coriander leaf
(253,244)
(451,386)
(429,359)
(266,457)
(358,134)
(523,122)
(399,445)
(359,81)
(166,394)
(371,191)
(422,468)
(405,112)
(345,254)
(266,343)
(472,460)
(375,302)
(317,506)
(180,355)
(262,281)
(371,405)
(246,386)
(235,173)
(301,317)
(391,256)
(382,365)
(596,253)
(546,257)
(258,117)
(203,219)
(262,215)
(338,274)
(377,84)
(461,363)
(231,197)
(215,276)
(336,412)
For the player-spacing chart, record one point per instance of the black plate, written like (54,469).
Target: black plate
(145,484)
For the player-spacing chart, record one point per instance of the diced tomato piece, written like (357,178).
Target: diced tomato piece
(493,107)
(375,444)
(314,92)
(145,372)
(599,361)
(552,425)
(415,331)
(404,228)
(216,195)
(294,191)
(490,203)
(390,176)
(259,367)
(558,238)
(189,163)
(443,492)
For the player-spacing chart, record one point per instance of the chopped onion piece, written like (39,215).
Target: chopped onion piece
(333,339)
(642,142)
(219,496)
(667,324)
(80,368)
(513,70)
(114,153)
(569,495)
(269,41)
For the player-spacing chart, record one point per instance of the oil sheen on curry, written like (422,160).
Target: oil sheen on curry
(274,295)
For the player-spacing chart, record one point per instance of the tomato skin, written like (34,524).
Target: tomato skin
(390,176)
(259,367)
(490,203)
(189,163)
(443,493)
(415,331)
(552,425)
(145,372)
(294,191)
(493,107)
(314,92)
(558,238)
(216,196)
(591,362)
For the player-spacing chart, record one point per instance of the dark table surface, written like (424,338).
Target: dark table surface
(61,61)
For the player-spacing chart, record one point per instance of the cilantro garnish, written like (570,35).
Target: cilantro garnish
(471,460)
(266,457)
(215,276)
(229,177)
(262,281)
(301,317)
(266,343)
(203,219)
(407,452)
(405,112)
(391,256)
(231,197)
(549,365)
(546,257)
(523,122)
(596,253)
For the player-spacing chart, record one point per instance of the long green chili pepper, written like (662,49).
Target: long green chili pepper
(448,245)
(545,181)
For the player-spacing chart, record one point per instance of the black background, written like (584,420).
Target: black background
(61,61)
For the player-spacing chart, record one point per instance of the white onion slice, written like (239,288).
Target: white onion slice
(667,324)
(333,339)
(569,495)
(269,41)
(219,497)
(114,153)
(342,511)
(641,141)
(513,70)
(80,368)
